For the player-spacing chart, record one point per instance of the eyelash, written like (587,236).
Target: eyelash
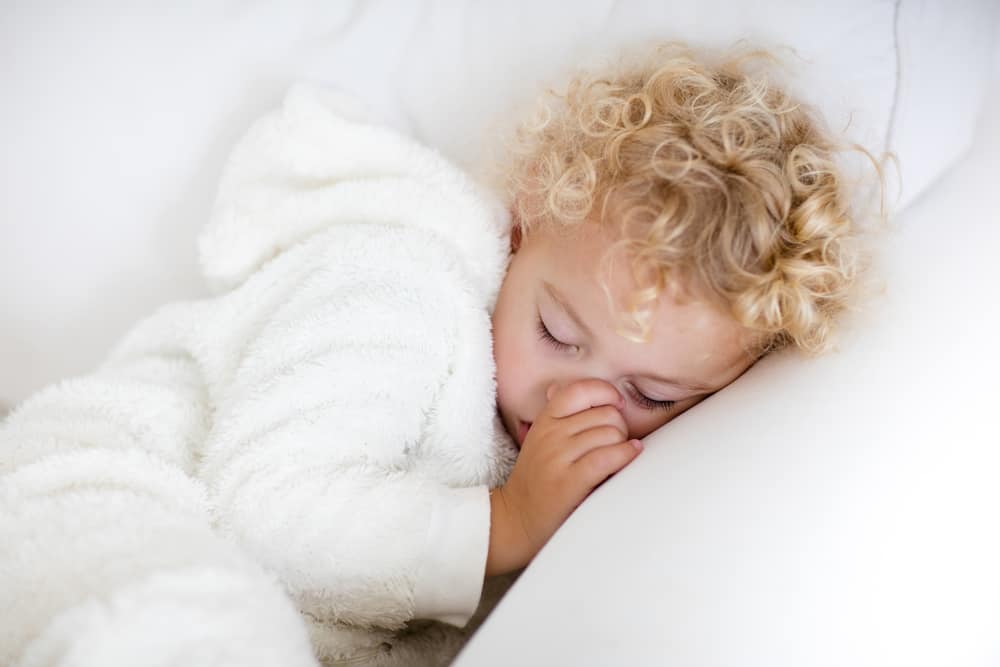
(644,401)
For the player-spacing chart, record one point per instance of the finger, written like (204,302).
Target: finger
(582,394)
(600,463)
(594,438)
(599,416)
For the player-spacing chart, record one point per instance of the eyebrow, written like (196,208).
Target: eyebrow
(564,304)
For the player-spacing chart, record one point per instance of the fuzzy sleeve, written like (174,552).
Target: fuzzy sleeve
(361,264)
(317,460)
(106,543)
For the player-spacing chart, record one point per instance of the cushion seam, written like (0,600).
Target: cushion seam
(894,108)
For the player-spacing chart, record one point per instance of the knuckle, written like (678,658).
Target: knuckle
(620,454)
(608,433)
(594,466)
(604,413)
(604,457)
(610,414)
(604,462)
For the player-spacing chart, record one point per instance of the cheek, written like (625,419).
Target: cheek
(643,422)
(523,367)
(514,365)
(507,356)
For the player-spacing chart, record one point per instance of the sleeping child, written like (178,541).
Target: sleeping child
(406,381)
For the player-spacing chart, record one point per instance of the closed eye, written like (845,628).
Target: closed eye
(649,403)
(640,399)
(546,335)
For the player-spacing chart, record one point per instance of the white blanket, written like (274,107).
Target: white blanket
(298,467)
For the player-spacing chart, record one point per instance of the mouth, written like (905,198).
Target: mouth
(522,432)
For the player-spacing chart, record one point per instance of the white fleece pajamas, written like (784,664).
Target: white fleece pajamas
(297,468)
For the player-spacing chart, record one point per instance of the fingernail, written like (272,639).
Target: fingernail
(637,444)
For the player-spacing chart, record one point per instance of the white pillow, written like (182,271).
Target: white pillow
(944,66)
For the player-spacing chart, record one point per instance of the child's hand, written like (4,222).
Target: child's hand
(578,441)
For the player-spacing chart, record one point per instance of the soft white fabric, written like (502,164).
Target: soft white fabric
(326,422)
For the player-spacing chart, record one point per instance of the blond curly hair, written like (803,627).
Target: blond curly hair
(722,186)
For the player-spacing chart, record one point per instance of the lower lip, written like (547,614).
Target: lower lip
(522,432)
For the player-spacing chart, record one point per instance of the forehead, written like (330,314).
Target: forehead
(687,337)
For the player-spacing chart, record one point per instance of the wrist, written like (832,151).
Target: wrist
(503,554)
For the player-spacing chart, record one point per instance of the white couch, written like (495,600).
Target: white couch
(839,511)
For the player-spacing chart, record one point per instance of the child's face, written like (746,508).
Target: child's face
(693,349)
